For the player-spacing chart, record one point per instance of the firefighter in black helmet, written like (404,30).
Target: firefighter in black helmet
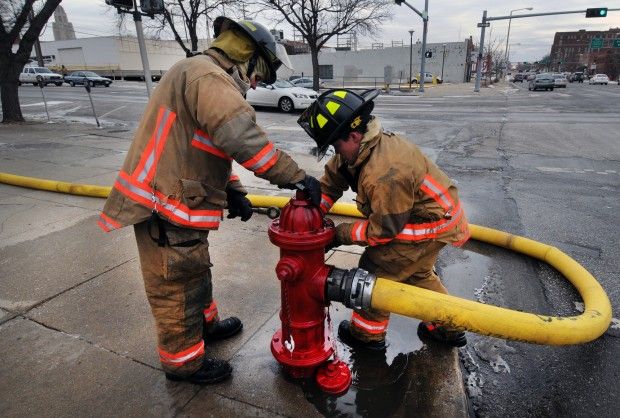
(334,114)
(411,206)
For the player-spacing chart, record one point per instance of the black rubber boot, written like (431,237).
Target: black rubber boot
(345,335)
(212,371)
(437,332)
(224,328)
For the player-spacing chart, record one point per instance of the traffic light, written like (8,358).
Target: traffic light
(125,4)
(597,12)
(428,54)
(152,6)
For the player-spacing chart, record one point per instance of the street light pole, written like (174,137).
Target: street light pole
(410,55)
(443,60)
(508,36)
(423,52)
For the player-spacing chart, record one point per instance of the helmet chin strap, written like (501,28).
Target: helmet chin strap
(252,63)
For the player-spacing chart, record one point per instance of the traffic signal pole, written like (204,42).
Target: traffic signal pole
(485,23)
(137,18)
(151,7)
(424,16)
(423,52)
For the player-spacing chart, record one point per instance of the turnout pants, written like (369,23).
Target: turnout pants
(411,264)
(177,279)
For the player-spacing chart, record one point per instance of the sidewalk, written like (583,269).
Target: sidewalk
(76,333)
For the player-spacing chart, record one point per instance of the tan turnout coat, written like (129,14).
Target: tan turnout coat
(179,163)
(405,197)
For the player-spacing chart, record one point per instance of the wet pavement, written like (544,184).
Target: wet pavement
(76,332)
(543,165)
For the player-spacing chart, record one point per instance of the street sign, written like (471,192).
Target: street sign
(486,25)
(616,43)
(596,43)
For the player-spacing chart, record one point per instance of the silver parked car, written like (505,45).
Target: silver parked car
(559,80)
(541,82)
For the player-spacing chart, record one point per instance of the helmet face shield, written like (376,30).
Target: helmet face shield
(282,55)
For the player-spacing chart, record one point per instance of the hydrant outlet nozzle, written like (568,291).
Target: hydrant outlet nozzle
(353,288)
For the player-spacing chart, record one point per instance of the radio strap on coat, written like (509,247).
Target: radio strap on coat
(162,237)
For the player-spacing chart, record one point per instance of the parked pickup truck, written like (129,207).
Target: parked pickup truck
(29,75)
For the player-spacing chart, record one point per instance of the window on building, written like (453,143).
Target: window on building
(326,72)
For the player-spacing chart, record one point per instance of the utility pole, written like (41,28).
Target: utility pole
(208,24)
(443,60)
(410,55)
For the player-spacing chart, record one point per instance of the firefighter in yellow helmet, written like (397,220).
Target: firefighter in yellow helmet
(177,179)
(411,207)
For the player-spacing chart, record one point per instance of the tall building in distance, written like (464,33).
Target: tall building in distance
(590,51)
(63,29)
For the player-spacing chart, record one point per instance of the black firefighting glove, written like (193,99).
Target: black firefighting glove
(238,205)
(310,185)
(335,242)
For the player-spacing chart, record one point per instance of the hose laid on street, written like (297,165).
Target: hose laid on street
(449,310)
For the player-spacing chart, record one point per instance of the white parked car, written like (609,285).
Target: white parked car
(559,80)
(428,78)
(29,75)
(599,79)
(281,94)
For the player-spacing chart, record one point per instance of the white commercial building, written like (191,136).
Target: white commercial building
(380,65)
(117,56)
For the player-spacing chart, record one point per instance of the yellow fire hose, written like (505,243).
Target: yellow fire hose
(449,310)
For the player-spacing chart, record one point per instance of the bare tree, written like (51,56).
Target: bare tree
(318,21)
(17,28)
(185,19)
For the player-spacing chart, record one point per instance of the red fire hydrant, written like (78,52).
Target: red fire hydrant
(304,344)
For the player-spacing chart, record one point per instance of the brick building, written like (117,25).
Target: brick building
(571,52)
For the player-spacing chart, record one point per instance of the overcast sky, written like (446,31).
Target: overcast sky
(450,20)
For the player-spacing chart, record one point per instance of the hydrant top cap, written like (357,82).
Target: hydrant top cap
(300,216)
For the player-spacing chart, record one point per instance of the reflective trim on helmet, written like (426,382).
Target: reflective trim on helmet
(248,24)
(332,107)
(321,120)
(340,93)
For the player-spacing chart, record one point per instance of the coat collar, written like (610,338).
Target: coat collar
(371,138)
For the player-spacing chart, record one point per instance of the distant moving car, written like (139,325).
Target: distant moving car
(281,94)
(79,77)
(518,78)
(428,78)
(599,79)
(540,82)
(559,80)
(577,76)
(29,75)
(307,82)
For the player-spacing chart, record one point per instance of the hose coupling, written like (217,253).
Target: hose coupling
(353,288)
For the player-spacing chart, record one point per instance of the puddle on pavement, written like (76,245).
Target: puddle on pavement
(380,379)
(383,382)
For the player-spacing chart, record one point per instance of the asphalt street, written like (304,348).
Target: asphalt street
(545,165)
